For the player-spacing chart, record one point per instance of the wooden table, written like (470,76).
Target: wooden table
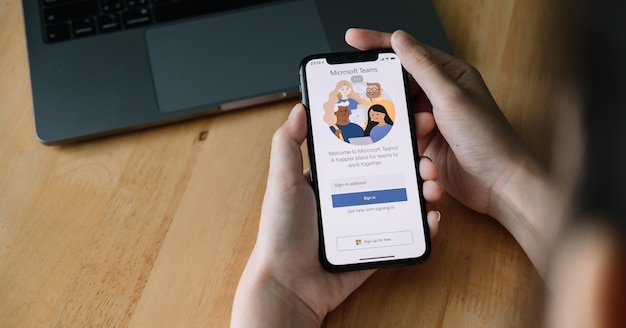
(153,228)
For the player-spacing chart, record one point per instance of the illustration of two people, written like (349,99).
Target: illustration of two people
(349,122)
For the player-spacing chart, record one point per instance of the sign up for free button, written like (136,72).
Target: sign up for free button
(386,239)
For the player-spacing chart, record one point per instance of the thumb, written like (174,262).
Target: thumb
(425,64)
(286,156)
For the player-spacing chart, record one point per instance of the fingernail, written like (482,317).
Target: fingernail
(403,38)
(438,215)
(293,110)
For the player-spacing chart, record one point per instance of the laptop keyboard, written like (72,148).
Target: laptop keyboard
(71,19)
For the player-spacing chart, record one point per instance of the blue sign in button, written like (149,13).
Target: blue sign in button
(369,197)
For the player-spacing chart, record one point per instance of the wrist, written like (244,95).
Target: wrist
(530,205)
(263,301)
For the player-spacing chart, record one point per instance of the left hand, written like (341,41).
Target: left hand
(283,283)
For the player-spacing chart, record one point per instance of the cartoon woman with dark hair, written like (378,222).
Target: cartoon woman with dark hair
(378,123)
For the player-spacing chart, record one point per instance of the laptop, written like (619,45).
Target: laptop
(100,67)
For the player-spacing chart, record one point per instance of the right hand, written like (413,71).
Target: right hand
(474,146)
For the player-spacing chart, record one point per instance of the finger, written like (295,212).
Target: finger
(424,124)
(428,169)
(433,191)
(286,156)
(433,218)
(367,39)
(307,174)
(424,127)
(425,64)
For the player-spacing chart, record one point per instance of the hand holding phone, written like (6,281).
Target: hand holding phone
(364,161)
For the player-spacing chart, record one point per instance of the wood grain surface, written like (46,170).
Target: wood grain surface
(153,228)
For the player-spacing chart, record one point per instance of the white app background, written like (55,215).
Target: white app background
(370,206)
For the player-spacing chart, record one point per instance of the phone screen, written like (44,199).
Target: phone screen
(363,155)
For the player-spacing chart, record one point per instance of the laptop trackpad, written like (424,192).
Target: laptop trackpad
(225,58)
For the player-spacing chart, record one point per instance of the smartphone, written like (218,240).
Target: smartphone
(364,160)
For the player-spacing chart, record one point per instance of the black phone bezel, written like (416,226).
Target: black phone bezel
(351,57)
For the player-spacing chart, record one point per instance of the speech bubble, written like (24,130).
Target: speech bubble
(358,84)
(356,79)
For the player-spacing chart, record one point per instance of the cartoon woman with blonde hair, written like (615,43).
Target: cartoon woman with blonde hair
(342,93)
